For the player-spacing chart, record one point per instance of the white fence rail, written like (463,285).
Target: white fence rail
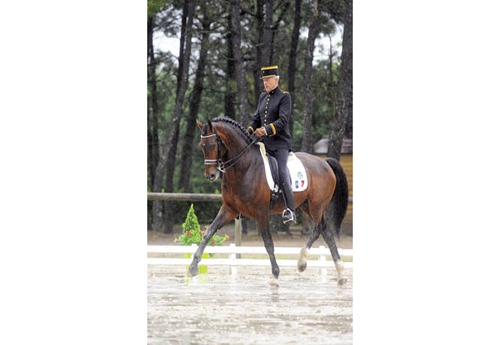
(233,261)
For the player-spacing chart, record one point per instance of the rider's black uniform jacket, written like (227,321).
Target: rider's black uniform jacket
(273,113)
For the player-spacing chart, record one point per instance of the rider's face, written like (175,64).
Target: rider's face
(270,83)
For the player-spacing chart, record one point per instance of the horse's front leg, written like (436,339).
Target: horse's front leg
(223,217)
(263,224)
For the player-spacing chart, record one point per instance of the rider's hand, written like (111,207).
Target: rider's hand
(260,132)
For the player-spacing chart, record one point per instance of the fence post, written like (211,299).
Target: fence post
(237,233)
(232,259)
(322,258)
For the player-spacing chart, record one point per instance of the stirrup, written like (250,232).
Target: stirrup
(288,216)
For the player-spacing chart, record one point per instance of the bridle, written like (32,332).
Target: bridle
(221,165)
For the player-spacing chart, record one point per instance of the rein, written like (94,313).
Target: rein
(230,162)
(223,166)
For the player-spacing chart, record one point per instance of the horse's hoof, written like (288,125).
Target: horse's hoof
(342,281)
(273,284)
(302,262)
(302,266)
(193,271)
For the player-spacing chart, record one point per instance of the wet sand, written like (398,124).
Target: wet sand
(219,308)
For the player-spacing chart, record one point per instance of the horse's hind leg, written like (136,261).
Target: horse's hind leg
(327,234)
(302,262)
(314,219)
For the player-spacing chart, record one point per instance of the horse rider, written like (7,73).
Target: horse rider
(270,122)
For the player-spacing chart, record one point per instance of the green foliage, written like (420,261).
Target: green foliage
(192,232)
(154,6)
(190,229)
(191,223)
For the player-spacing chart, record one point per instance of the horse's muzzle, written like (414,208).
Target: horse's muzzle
(212,175)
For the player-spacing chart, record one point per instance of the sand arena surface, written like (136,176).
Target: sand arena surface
(218,308)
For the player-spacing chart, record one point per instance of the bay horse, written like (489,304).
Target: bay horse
(231,154)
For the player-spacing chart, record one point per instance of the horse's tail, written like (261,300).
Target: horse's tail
(338,205)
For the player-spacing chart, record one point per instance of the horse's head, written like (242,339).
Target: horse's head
(211,146)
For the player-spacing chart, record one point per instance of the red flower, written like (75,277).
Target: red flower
(188,233)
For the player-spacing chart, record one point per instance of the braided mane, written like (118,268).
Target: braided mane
(242,130)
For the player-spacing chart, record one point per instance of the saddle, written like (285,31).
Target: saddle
(296,172)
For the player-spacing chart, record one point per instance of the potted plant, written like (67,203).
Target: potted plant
(192,234)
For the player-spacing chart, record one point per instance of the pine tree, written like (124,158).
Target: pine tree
(191,223)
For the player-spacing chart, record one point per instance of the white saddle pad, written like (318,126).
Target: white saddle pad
(298,174)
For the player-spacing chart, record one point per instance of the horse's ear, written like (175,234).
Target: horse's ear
(200,125)
(210,126)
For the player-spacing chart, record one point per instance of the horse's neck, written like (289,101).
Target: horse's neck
(237,148)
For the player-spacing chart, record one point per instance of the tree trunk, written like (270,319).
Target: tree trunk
(230,94)
(283,6)
(343,112)
(308,66)
(191,129)
(267,38)
(153,113)
(292,66)
(259,61)
(167,157)
(265,31)
(243,106)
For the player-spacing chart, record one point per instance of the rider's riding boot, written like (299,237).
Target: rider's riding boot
(289,212)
